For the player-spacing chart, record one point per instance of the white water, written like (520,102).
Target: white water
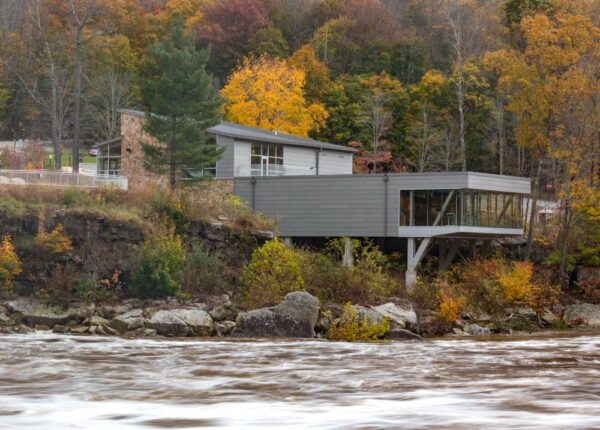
(51,381)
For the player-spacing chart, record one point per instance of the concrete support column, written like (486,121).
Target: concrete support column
(414,255)
(347,259)
(287,241)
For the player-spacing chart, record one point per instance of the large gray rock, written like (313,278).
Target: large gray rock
(583,314)
(296,316)
(81,311)
(128,321)
(400,316)
(35,312)
(181,322)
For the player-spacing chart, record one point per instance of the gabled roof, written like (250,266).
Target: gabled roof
(238,131)
(231,129)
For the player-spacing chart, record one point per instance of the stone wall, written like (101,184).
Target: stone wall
(132,156)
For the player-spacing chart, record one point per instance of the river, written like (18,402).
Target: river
(50,381)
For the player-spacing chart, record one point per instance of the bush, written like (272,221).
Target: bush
(486,285)
(273,272)
(202,271)
(367,282)
(10,265)
(54,242)
(158,266)
(352,328)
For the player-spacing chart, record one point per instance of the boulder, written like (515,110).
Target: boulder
(430,324)
(198,321)
(5,321)
(400,316)
(128,321)
(225,312)
(296,316)
(109,312)
(59,329)
(583,314)
(476,330)
(323,323)
(181,322)
(35,312)
(368,314)
(81,311)
(224,328)
(402,334)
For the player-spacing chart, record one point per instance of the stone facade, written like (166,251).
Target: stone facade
(133,137)
(132,156)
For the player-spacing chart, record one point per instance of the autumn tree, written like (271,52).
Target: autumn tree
(552,88)
(182,103)
(383,97)
(316,73)
(227,27)
(269,94)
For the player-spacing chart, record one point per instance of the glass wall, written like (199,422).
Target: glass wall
(461,207)
(266,159)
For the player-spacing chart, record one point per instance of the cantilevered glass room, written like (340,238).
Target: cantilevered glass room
(461,208)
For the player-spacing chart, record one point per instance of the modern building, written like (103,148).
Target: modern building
(248,152)
(420,208)
(251,151)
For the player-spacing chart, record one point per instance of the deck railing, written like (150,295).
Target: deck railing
(61,179)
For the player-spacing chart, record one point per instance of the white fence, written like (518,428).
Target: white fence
(61,179)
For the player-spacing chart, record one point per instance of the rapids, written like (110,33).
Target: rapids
(50,381)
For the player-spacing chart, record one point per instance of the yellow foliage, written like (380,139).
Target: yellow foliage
(54,242)
(449,308)
(352,328)
(269,94)
(10,265)
(273,272)
(516,283)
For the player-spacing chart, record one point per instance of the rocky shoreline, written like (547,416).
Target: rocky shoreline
(299,315)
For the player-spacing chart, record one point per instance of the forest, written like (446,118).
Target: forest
(499,86)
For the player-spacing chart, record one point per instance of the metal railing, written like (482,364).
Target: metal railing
(275,170)
(61,179)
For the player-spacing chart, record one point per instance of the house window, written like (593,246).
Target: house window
(267,159)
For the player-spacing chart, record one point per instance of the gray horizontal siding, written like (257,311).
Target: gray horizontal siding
(226,162)
(350,205)
(335,163)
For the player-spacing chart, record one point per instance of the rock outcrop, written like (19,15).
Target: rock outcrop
(296,316)
(400,316)
(128,321)
(181,322)
(582,314)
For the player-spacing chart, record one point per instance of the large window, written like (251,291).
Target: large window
(266,159)
(460,207)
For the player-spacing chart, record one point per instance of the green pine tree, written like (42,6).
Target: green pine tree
(182,105)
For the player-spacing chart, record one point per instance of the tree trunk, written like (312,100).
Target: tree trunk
(461,117)
(533,213)
(564,248)
(77,119)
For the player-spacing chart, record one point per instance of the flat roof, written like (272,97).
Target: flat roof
(238,131)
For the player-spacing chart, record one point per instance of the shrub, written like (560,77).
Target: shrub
(352,328)
(202,271)
(486,285)
(367,281)
(158,265)
(54,242)
(516,283)
(273,271)
(10,265)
